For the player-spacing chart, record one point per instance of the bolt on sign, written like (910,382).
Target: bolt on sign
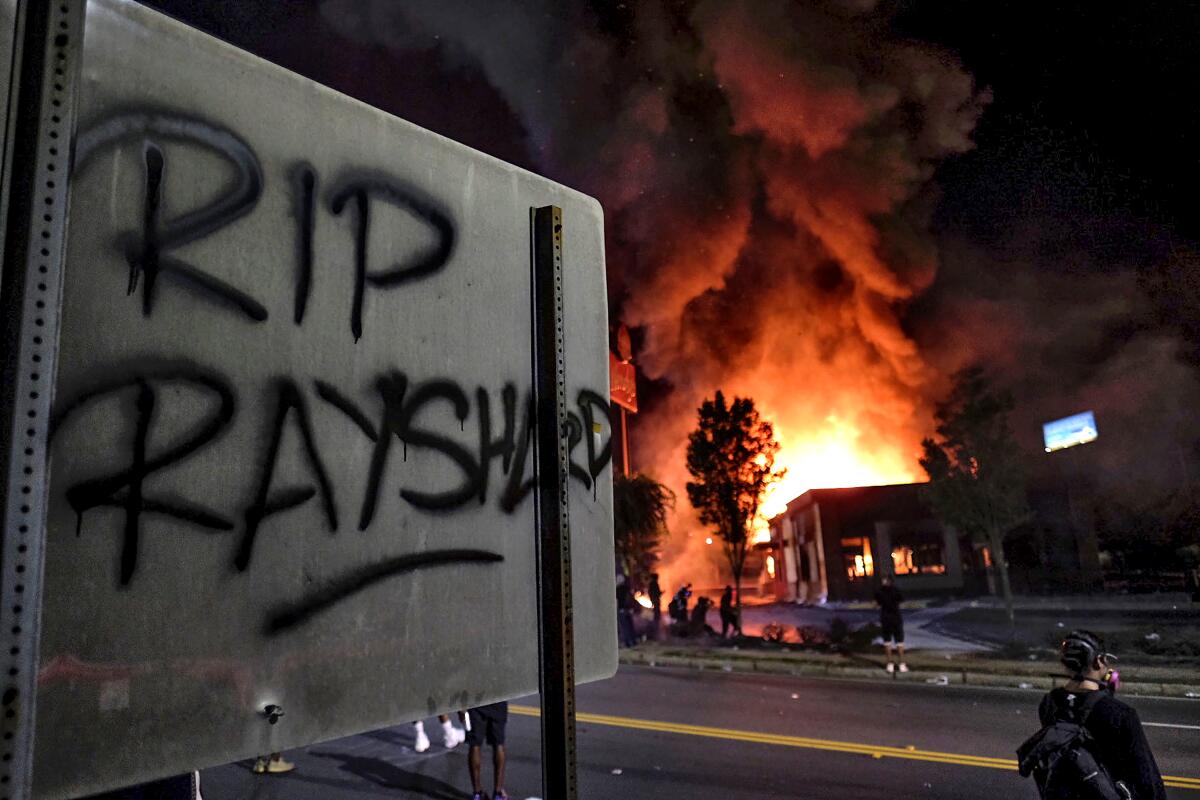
(290,445)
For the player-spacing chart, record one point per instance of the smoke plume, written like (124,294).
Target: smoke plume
(765,169)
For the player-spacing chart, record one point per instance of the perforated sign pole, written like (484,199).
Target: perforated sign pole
(556,628)
(39,124)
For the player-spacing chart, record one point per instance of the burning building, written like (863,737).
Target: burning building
(834,544)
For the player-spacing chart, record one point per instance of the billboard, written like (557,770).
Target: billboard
(1069,431)
(290,441)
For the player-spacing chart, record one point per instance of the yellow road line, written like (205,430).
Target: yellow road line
(875,751)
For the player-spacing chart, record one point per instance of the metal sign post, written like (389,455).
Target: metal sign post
(556,676)
(38,117)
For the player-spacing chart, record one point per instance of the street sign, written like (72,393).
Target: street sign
(1069,431)
(291,441)
(622,378)
(624,343)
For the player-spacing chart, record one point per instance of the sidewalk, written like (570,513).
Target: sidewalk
(1163,601)
(916,618)
(377,764)
(936,652)
(939,668)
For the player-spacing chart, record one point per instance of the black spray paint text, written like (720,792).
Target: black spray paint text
(504,436)
(386,413)
(148,251)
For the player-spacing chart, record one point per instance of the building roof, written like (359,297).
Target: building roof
(857,495)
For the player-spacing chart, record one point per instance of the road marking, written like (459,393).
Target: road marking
(875,751)
(1171,725)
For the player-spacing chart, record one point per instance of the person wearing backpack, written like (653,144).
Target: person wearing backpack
(1091,744)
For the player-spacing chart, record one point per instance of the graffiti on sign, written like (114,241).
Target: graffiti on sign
(386,411)
(292,449)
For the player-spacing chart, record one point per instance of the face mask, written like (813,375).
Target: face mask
(1112,681)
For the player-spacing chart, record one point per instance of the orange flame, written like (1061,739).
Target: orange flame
(793,288)
(643,599)
(831,456)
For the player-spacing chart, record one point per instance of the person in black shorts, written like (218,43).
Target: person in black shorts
(889,599)
(487,725)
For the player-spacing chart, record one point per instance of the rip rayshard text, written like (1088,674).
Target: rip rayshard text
(385,411)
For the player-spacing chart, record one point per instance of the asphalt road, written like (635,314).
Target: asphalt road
(652,734)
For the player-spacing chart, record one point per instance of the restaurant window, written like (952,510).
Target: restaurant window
(919,553)
(856,557)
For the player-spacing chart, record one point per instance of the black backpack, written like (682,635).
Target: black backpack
(1061,758)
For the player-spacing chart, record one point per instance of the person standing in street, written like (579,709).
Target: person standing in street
(452,736)
(487,724)
(1116,739)
(728,614)
(655,592)
(890,620)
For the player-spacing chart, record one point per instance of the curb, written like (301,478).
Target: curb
(951,677)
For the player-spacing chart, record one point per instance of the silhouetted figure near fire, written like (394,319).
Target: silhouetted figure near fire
(889,599)
(655,592)
(625,604)
(728,614)
(678,609)
(698,623)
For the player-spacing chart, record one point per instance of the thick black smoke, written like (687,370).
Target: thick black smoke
(769,173)
(765,170)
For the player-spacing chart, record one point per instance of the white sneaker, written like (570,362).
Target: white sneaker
(891,668)
(903,667)
(454,736)
(422,743)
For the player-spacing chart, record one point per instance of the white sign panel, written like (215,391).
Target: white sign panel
(1070,431)
(290,450)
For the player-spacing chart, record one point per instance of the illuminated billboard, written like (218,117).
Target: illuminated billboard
(1069,431)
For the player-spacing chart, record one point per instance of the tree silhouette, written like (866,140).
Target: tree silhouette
(640,507)
(731,456)
(976,477)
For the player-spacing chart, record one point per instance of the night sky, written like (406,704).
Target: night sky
(1023,172)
